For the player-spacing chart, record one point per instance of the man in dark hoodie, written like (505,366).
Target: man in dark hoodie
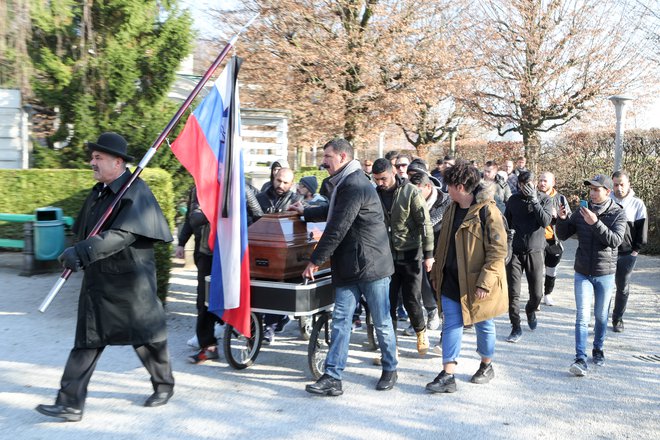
(528,212)
(600,228)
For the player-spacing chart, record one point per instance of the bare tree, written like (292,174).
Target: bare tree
(348,67)
(544,63)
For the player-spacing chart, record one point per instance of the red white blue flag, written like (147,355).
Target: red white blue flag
(210,148)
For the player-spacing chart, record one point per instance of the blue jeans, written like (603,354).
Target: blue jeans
(346,298)
(598,288)
(452,332)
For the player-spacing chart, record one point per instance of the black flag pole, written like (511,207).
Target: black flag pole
(148,156)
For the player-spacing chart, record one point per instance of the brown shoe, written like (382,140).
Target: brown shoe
(422,342)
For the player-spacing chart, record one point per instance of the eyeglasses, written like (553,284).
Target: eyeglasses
(401,165)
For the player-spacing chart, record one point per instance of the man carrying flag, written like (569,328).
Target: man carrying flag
(210,148)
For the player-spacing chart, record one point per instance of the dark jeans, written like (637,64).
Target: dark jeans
(205,326)
(408,277)
(624,267)
(82,362)
(532,263)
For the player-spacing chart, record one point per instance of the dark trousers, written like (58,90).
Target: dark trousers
(532,264)
(408,277)
(551,262)
(624,267)
(205,327)
(82,361)
(428,294)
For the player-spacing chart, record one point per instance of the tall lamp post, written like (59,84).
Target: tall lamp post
(619,102)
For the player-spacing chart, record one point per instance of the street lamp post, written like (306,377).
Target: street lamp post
(619,102)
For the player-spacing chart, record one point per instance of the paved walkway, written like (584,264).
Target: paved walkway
(532,396)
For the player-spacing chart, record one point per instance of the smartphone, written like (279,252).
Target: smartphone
(584,204)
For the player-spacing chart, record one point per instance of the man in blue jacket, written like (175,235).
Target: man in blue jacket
(353,239)
(600,229)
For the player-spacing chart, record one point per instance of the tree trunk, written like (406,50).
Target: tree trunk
(532,142)
(423,151)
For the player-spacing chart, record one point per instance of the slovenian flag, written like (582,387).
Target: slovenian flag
(210,148)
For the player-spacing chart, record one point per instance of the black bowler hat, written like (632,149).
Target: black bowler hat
(111,143)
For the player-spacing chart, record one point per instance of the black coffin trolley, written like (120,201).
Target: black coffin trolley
(313,300)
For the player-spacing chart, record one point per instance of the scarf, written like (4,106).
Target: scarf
(338,179)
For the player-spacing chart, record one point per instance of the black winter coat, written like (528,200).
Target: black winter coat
(355,238)
(270,202)
(597,252)
(529,220)
(118,304)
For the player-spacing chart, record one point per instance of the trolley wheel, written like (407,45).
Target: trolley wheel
(319,344)
(305,324)
(241,352)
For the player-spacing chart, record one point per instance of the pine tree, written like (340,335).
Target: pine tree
(108,66)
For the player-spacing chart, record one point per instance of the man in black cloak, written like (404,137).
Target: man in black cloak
(118,304)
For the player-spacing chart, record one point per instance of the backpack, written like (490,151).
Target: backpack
(509,232)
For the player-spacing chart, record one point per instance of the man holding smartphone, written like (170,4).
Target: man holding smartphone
(600,228)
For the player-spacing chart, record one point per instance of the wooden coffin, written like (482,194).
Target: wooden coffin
(280,246)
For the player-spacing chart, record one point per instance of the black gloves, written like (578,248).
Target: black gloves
(70,259)
(529,191)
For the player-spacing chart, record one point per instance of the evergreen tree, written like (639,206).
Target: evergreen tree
(108,66)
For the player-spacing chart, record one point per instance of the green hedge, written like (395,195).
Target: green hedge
(25,190)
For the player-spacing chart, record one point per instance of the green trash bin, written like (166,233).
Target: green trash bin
(48,230)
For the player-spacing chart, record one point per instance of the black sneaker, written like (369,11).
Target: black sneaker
(443,383)
(387,380)
(532,322)
(484,374)
(598,357)
(579,367)
(279,326)
(326,385)
(617,326)
(516,334)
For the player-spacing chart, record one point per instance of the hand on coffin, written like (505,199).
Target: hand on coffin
(297,207)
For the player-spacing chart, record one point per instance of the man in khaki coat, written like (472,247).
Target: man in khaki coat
(469,272)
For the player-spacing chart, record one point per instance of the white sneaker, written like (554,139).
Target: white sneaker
(437,349)
(194,343)
(410,331)
(547,299)
(433,320)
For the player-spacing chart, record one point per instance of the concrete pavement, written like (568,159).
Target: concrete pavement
(532,395)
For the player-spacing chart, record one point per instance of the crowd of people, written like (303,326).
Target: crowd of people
(448,232)
(446,263)
(434,243)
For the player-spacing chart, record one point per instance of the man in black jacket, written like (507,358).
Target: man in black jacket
(118,304)
(196,224)
(279,196)
(528,212)
(353,240)
(600,228)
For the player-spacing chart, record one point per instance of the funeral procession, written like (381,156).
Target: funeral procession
(293,219)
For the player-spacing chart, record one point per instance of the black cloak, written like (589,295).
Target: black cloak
(118,304)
